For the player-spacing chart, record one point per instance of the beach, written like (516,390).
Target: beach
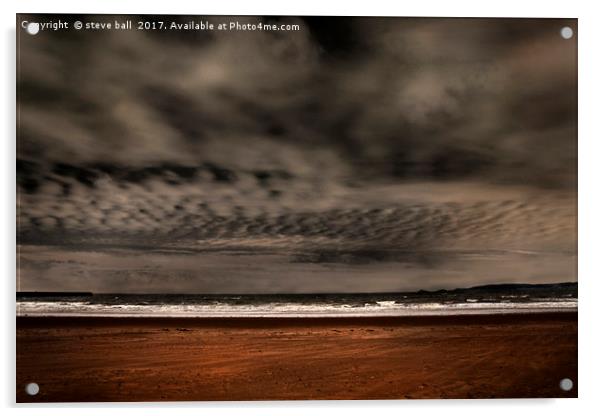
(202,359)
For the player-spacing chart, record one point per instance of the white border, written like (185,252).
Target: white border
(590,206)
(462,8)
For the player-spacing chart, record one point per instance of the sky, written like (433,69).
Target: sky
(352,155)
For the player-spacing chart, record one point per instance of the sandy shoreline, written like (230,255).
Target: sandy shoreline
(150,359)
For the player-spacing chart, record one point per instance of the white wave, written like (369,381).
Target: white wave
(386,303)
(383,308)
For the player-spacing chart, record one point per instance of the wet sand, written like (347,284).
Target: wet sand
(151,359)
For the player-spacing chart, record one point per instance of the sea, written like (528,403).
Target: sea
(490,299)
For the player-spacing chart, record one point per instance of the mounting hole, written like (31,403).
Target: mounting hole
(566,384)
(32,389)
(566,32)
(32,28)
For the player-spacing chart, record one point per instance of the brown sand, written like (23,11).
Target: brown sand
(148,359)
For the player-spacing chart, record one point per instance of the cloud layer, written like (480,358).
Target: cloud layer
(363,154)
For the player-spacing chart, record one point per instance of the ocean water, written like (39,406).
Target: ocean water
(480,300)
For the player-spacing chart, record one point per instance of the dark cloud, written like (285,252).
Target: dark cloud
(400,153)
